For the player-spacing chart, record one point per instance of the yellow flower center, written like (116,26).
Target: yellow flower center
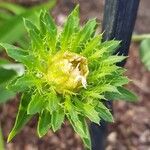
(68,71)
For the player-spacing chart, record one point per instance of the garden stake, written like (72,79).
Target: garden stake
(118,23)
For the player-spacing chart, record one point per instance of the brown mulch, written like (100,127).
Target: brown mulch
(131,130)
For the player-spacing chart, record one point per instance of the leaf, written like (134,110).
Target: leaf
(44,123)
(57,119)
(93,95)
(85,34)
(89,111)
(70,27)
(37,104)
(30,26)
(14,8)
(6,75)
(91,45)
(13,29)
(123,94)
(145,53)
(114,59)
(119,81)
(37,43)
(5,94)
(80,126)
(34,34)
(4,16)
(22,117)
(1,139)
(22,83)
(104,112)
(53,101)
(110,46)
(49,28)
(106,88)
(78,122)
(17,53)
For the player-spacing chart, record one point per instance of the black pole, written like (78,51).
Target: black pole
(118,23)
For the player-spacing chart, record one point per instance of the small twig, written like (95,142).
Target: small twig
(139,38)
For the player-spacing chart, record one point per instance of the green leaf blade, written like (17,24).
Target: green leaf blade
(37,104)
(22,117)
(70,27)
(44,123)
(123,94)
(145,53)
(57,119)
(17,53)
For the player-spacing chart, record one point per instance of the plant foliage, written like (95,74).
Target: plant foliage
(145,53)
(11,24)
(68,74)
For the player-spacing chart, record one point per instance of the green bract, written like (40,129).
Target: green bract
(68,74)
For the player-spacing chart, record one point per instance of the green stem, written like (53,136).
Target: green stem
(139,38)
(1,140)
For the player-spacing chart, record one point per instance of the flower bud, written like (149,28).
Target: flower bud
(68,71)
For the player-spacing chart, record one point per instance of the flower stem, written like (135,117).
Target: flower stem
(139,38)
(1,140)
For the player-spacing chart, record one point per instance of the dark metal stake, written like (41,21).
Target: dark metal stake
(118,23)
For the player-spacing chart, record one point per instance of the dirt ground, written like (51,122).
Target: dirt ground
(131,130)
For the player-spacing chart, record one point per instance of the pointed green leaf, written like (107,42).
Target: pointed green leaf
(80,126)
(119,81)
(34,34)
(110,46)
(30,26)
(5,94)
(104,112)
(105,88)
(93,95)
(91,113)
(57,119)
(145,53)
(114,59)
(88,110)
(44,123)
(92,45)
(53,101)
(18,54)
(6,75)
(22,117)
(78,122)
(22,83)
(70,27)
(84,35)
(123,94)
(36,41)
(48,28)
(42,23)
(37,104)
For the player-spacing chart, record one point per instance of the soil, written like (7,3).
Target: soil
(131,130)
